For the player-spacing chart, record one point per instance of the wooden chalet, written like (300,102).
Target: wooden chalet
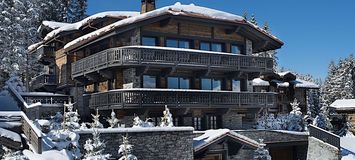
(198,61)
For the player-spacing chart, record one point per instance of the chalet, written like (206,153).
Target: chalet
(287,87)
(198,61)
(343,111)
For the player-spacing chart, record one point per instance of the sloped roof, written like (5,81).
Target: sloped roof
(298,83)
(212,136)
(177,9)
(344,104)
(78,25)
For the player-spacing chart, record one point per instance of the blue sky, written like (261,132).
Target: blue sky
(314,31)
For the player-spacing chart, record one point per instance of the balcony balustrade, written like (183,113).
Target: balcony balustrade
(133,98)
(169,57)
(43,82)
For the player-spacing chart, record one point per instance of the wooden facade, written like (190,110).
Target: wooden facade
(114,70)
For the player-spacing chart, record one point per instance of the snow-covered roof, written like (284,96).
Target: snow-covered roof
(137,129)
(344,104)
(347,142)
(211,136)
(10,135)
(177,9)
(78,25)
(41,94)
(298,83)
(34,46)
(51,25)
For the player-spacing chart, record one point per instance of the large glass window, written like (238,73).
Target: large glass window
(208,46)
(177,43)
(149,81)
(178,83)
(216,47)
(173,82)
(205,46)
(149,41)
(236,85)
(197,123)
(212,122)
(211,84)
(236,49)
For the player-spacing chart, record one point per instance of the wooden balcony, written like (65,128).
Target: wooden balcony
(169,57)
(133,98)
(47,54)
(44,82)
(45,98)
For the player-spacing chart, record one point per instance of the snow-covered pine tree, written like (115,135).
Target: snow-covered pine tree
(126,150)
(322,119)
(253,20)
(266,27)
(261,153)
(96,120)
(295,116)
(11,155)
(95,147)
(167,119)
(345,129)
(71,118)
(327,90)
(245,15)
(113,121)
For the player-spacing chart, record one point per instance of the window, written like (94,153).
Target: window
(176,121)
(208,46)
(173,82)
(211,84)
(212,122)
(177,43)
(197,123)
(236,49)
(178,83)
(149,81)
(216,47)
(236,85)
(205,46)
(149,41)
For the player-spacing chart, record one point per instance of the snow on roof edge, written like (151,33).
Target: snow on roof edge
(137,129)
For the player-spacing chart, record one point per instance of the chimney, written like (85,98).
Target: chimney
(147,5)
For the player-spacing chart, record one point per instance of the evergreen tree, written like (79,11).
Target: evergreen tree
(71,118)
(322,120)
(96,120)
(266,27)
(261,153)
(253,20)
(126,150)
(296,119)
(9,154)
(94,148)
(113,121)
(167,119)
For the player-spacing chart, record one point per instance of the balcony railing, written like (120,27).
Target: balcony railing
(127,98)
(43,80)
(45,98)
(143,55)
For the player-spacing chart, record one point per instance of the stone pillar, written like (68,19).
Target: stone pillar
(249,47)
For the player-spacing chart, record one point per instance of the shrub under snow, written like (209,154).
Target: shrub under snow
(95,147)
(126,150)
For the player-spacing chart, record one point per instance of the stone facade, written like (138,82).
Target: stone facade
(149,143)
(131,79)
(318,150)
(232,120)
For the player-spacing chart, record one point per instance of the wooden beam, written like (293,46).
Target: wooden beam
(165,22)
(106,74)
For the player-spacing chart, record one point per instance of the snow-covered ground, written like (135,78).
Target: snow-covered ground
(47,155)
(347,144)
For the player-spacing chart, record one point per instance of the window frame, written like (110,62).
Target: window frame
(156,40)
(178,40)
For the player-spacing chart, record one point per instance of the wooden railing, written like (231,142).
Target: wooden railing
(135,55)
(324,136)
(32,133)
(45,98)
(178,98)
(43,79)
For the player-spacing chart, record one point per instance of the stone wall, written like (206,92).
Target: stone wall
(173,143)
(232,120)
(318,150)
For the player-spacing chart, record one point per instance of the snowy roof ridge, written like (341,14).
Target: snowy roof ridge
(298,83)
(78,25)
(176,9)
(211,136)
(343,104)
(52,24)
(136,129)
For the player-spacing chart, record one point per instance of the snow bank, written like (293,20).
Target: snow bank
(347,143)
(48,155)
(177,9)
(78,25)
(10,135)
(348,157)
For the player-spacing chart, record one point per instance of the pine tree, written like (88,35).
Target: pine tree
(322,119)
(261,153)
(113,121)
(71,118)
(167,119)
(266,27)
(296,119)
(126,150)
(253,20)
(94,148)
(245,16)
(9,154)
(96,120)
